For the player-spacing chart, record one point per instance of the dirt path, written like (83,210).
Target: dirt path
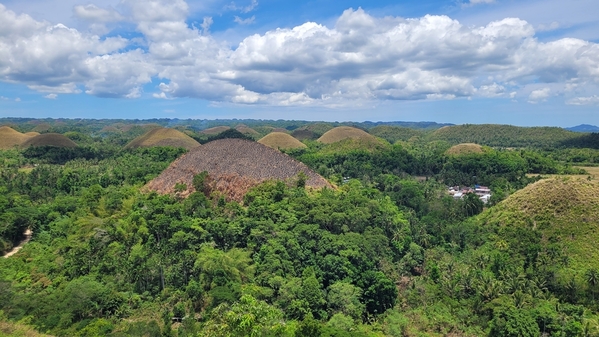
(28,233)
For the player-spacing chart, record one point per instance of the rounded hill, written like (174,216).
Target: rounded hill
(280,140)
(247,130)
(465,148)
(233,166)
(49,139)
(163,137)
(344,132)
(9,138)
(563,210)
(215,130)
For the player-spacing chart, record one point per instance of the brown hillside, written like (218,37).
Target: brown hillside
(465,148)
(344,132)
(49,139)
(163,137)
(562,209)
(233,166)
(247,130)
(42,127)
(215,130)
(280,140)
(31,134)
(10,138)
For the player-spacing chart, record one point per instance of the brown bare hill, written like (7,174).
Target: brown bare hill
(465,148)
(43,127)
(215,130)
(163,137)
(233,166)
(49,139)
(31,134)
(280,140)
(9,138)
(344,132)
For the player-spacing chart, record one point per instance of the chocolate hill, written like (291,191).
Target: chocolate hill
(215,130)
(233,166)
(49,139)
(464,148)
(280,140)
(163,137)
(9,138)
(562,210)
(344,132)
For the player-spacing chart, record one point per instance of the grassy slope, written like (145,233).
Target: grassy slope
(279,140)
(49,139)
(343,132)
(164,137)
(465,148)
(562,208)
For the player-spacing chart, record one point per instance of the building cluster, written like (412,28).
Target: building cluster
(483,192)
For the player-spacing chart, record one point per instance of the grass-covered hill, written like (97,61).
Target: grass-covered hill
(504,135)
(164,137)
(9,138)
(215,130)
(280,140)
(465,148)
(233,167)
(344,132)
(562,210)
(49,139)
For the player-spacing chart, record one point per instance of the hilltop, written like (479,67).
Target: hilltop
(584,128)
(465,148)
(344,132)
(233,166)
(504,135)
(280,140)
(9,138)
(164,137)
(49,139)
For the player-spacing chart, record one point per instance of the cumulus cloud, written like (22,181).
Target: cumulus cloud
(51,96)
(539,95)
(247,21)
(590,100)
(94,13)
(361,58)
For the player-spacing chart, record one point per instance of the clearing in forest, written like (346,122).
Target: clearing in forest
(233,166)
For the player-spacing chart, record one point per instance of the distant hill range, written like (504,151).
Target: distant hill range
(584,128)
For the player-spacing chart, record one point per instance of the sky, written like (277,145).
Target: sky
(520,62)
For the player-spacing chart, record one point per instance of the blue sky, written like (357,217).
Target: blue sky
(521,62)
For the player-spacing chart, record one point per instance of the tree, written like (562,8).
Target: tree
(513,322)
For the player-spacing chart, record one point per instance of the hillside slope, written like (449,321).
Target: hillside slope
(280,140)
(563,209)
(49,139)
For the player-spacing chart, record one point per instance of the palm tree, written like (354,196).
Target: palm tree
(592,278)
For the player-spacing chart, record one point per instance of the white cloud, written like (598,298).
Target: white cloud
(247,21)
(361,58)
(591,100)
(94,13)
(244,9)
(539,95)
(2,98)
(17,99)
(51,96)
(477,2)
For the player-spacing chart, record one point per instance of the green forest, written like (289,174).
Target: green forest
(385,252)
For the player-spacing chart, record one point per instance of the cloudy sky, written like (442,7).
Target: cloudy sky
(521,62)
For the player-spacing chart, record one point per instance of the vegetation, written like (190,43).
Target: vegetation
(382,251)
